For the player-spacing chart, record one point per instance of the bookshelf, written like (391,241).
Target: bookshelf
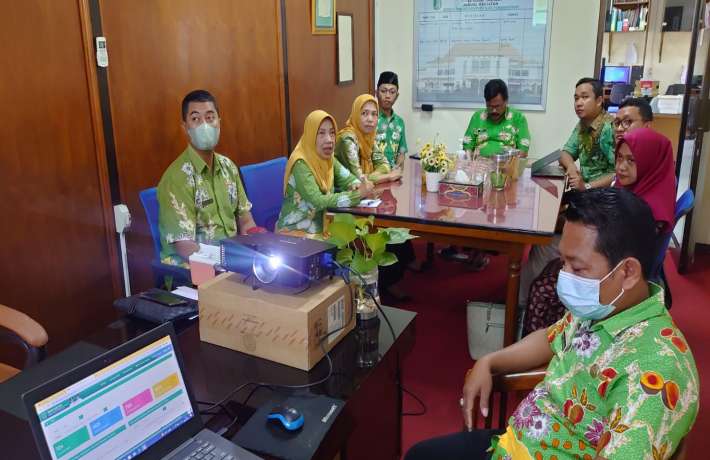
(628,16)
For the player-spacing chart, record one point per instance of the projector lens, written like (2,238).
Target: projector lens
(266,268)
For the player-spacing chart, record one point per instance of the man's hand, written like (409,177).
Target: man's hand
(245,223)
(185,248)
(576,182)
(399,163)
(477,384)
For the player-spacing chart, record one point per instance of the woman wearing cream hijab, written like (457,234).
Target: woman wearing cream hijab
(312,175)
(356,148)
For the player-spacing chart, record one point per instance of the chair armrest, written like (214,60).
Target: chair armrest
(29,330)
(504,384)
(519,381)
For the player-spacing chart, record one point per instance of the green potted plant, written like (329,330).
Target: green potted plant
(363,250)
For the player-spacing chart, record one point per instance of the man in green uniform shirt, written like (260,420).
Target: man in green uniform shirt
(200,194)
(621,381)
(592,141)
(497,126)
(390,137)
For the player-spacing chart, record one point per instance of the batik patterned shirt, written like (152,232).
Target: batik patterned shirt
(625,387)
(197,203)
(593,145)
(347,151)
(391,138)
(491,137)
(305,203)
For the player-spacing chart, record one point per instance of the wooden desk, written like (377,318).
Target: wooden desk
(668,124)
(369,426)
(504,221)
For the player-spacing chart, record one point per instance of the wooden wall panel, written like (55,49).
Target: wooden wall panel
(58,260)
(312,63)
(160,50)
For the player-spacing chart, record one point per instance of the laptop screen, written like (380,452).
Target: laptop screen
(120,410)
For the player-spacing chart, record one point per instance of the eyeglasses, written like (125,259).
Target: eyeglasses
(625,123)
(390,91)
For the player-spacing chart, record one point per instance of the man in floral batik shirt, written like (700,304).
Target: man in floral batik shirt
(497,126)
(200,194)
(592,140)
(390,137)
(621,381)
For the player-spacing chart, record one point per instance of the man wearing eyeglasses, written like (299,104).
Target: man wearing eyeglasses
(390,137)
(201,195)
(633,113)
(497,126)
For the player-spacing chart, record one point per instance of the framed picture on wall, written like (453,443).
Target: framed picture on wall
(323,17)
(345,49)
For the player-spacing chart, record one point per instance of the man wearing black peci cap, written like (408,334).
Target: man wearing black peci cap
(390,137)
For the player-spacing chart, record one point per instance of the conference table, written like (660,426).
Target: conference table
(369,425)
(505,221)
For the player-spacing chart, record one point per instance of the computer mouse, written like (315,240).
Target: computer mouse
(287,417)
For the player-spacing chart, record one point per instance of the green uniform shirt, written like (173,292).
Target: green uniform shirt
(390,137)
(347,151)
(491,137)
(304,203)
(625,387)
(593,145)
(197,203)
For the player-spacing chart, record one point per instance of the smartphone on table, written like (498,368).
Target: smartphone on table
(163,297)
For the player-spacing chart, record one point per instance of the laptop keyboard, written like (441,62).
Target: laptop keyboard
(204,450)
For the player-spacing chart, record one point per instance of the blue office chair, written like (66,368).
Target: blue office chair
(682,207)
(263,183)
(180,276)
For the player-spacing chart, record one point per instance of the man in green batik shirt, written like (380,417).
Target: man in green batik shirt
(390,136)
(200,194)
(592,141)
(621,381)
(497,126)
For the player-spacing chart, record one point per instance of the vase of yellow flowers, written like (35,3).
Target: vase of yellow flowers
(435,163)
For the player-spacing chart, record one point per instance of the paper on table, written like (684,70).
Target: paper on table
(187,292)
(370,203)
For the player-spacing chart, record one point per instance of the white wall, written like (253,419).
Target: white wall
(573,44)
(676,49)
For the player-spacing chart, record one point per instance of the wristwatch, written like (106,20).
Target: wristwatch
(587,186)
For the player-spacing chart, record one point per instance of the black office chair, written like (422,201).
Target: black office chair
(676,89)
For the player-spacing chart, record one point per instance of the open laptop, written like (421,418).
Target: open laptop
(548,166)
(130,402)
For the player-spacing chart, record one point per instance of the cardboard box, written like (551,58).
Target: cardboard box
(285,328)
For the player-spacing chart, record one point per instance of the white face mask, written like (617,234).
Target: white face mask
(204,137)
(581,295)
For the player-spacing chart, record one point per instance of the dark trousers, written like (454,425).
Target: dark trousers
(467,445)
(393,273)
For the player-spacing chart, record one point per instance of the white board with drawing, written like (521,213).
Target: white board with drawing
(461,44)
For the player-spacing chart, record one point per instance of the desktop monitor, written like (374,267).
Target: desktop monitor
(617,74)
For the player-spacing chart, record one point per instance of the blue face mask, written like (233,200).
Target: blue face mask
(581,295)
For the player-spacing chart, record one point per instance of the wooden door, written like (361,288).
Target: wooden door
(159,51)
(57,242)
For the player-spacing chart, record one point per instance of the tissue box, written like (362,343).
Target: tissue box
(461,195)
(202,264)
